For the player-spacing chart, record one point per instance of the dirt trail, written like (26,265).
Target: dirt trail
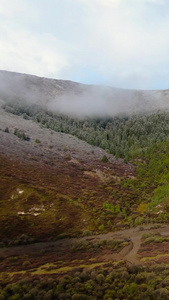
(132,255)
(128,253)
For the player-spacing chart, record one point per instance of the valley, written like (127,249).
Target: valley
(83,201)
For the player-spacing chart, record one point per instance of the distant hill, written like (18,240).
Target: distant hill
(78,99)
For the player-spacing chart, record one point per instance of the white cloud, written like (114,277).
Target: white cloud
(115,3)
(18,8)
(24,52)
(159,2)
(112,3)
(125,42)
(127,39)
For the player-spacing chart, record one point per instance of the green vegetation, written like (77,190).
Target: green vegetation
(112,282)
(104,158)
(153,181)
(139,139)
(154,238)
(111,207)
(6,130)
(37,141)
(34,208)
(123,136)
(20,134)
(108,244)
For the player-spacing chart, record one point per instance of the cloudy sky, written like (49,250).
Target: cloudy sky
(122,43)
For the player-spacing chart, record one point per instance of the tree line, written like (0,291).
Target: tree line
(123,136)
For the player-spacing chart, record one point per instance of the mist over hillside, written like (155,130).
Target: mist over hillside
(79,100)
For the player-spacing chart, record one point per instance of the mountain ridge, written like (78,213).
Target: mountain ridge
(77,82)
(77,99)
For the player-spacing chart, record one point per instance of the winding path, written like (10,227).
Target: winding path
(128,253)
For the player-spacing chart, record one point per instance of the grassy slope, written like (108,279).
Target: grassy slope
(153,182)
(74,198)
(70,198)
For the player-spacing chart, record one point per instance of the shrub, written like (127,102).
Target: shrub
(25,116)
(37,141)
(87,233)
(26,263)
(104,158)
(80,297)
(21,135)
(16,297)
(85,275)
(161,293)
(125,275)
(63,296)
(6,130)
(47,296)
(100,278)
(101,227)
(27,296)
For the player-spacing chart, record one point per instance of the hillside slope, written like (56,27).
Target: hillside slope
(53,183)
(78,99)
(93,222)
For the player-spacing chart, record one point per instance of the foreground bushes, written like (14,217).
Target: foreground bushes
(123,282)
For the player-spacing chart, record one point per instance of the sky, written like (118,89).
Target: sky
(120,43)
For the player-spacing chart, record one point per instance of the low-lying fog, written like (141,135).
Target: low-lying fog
(79,100)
